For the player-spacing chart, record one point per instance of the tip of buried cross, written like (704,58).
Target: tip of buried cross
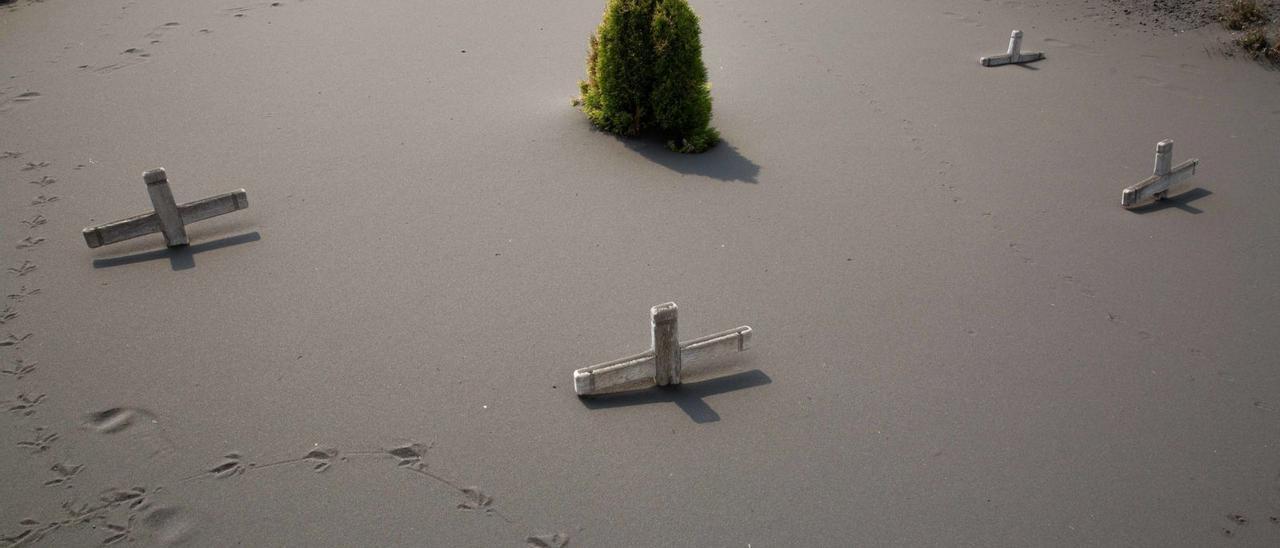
(1164,146)
(155,176)
(664,312)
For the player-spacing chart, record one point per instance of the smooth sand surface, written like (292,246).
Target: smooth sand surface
(961,337)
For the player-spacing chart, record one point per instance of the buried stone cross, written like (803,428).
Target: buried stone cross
(168,218)
(1015,55)
(668,362)
(1164,177)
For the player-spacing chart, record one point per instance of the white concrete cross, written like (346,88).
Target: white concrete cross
(1156,187)
(1015,54)
(668,362)
(169,217)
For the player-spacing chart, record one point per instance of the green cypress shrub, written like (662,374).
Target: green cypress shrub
(645,71)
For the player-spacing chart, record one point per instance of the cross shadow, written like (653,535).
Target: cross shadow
(688,397)
(722,162)
(1028,66)
(181,257)
(1181,201)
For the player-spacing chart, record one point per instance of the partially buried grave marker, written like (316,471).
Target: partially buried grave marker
(169,217)
(1164,177)
(668,362)
(1014,56)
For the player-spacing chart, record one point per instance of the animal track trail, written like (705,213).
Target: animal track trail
(18,101)
(157,33)
(40,441)
(14,340)
(131,421)
(25,404)
(36,221)
(123,514)
(43,200)
(9,154)
(19,369)
(63,474)
(23,293)
(558,540)
(32,166)
(44,181)
(30,242)
(8,314)
(133,57)
(23,269)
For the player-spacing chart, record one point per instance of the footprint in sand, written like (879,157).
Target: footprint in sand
(23,269)
(18,101)
(133,57)
(232,465)
(29,242)
(42,200)
(63,473)
(14,340)
(40,441)
(35,165)
(19,368)
(44,181)
(25,405)
(7,314)
(35,221)
(8,154)
(23,292)
(558,540)
(157,33)
(132,421)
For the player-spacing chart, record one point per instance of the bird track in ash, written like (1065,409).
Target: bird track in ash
(18,101)
(24,405)
(409,456)
(40,442)
(44,181)
(19,369)
(14,340)
(123,514)
(44,199)
(32,166)
(63,473)
(9,154)
(29,242)
(35,221)
(7,314)
(23,293)
(23,269)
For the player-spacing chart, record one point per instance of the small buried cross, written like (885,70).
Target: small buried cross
(1163,177)
(668,362)
(168,218)
(1014,56)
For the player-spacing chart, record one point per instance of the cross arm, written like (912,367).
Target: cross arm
(1154,187)
(639,371)
(206,208)
(125,229)
(149,222)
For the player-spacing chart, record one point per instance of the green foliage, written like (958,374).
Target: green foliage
(645,71)
(1243,14)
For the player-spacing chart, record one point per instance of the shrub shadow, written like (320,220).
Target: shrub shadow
(722,162)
